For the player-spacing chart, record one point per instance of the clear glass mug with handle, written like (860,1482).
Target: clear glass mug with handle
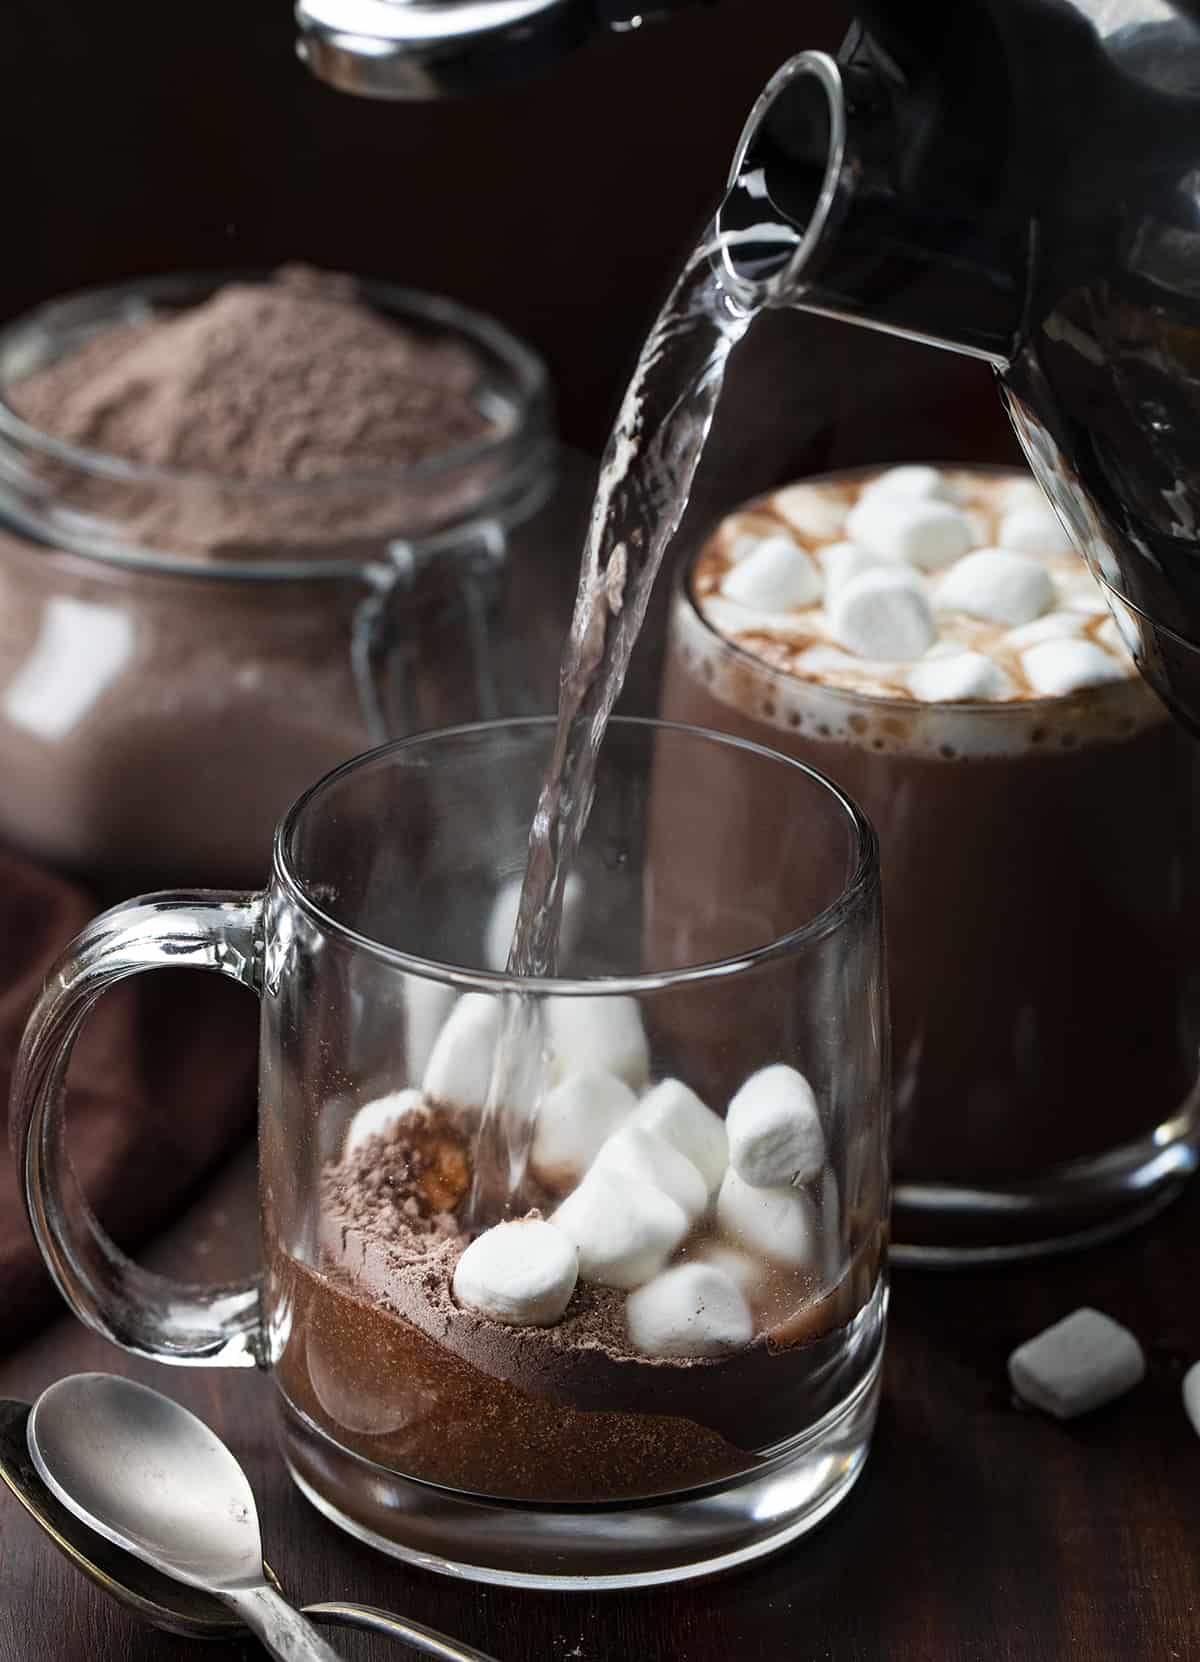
(706,1386)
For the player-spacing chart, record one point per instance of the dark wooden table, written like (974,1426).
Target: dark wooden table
(979,1531)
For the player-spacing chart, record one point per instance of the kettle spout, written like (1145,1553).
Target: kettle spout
(826,210)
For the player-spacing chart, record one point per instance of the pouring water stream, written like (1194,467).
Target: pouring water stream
(645,482)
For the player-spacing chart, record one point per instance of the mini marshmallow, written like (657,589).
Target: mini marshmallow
(774,1128)
(376,1118)
(676,1113)
(841,561)
(1191,1396)
(914,481)
(1080,1363)
(1021,492)
(691,1310)
(1058,667)
(813,513)
(742,546)
(1055,626)
(997,586)
(1081,594)
(963,675)
(426,1007)
(635,1152)
(625,1230)
(503,921)
(522,1273)
(778,1223)
(778,576)
(746,1273)
(728,618)
(597,1032)
(1108,635)
(882,614)
(925,534)
(575,1119)
(1034,528)
(459,1070)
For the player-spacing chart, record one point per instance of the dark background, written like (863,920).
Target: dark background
(140,137)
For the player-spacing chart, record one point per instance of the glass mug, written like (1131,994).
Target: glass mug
(611,1446)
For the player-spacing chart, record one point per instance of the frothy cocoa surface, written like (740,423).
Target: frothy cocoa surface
(802,641)
(381,1356)
(1039,882)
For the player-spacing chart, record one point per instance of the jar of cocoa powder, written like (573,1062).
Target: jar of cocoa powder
(248,527)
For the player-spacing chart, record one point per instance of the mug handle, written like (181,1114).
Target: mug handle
(147,1314)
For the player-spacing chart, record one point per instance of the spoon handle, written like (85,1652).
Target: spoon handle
(282,1630)
(420,1638)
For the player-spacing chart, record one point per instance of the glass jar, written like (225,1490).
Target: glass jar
(181,653)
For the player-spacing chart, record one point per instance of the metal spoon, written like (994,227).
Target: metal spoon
(156,1598)
(140,1470)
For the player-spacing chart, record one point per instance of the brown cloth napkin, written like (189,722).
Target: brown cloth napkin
(162,1082)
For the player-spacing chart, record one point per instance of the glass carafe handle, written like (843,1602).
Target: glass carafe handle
(144,1313)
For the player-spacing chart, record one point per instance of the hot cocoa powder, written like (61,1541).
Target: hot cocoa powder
(380,1355)
(292,379)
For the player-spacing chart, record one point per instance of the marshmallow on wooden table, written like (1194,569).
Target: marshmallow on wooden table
(913,531)
(778,575)
(376,1118)
(598,1032)
(1191,1396)
(840,561)
(1080,1363)
(625,1230)
(522,1273)
(1034,528)
(575,1119)
(1055,668)
(635,1152)
(774,1129)
(778,1223)
(915,480)
(998,586)
(882,613)
(675,1112)
(459,1070)
(691,1310)
(503,920)
(958,675)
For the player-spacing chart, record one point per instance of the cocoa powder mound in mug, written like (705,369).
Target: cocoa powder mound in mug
(292,379)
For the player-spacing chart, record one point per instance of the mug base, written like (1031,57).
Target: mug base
(588,1547)
(1079,1205)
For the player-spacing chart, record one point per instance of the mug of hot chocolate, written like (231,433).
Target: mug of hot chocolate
(930,638)
(573,1280)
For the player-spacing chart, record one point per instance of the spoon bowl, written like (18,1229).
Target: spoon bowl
(156,1598)
(159,1599)
(149,1476)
